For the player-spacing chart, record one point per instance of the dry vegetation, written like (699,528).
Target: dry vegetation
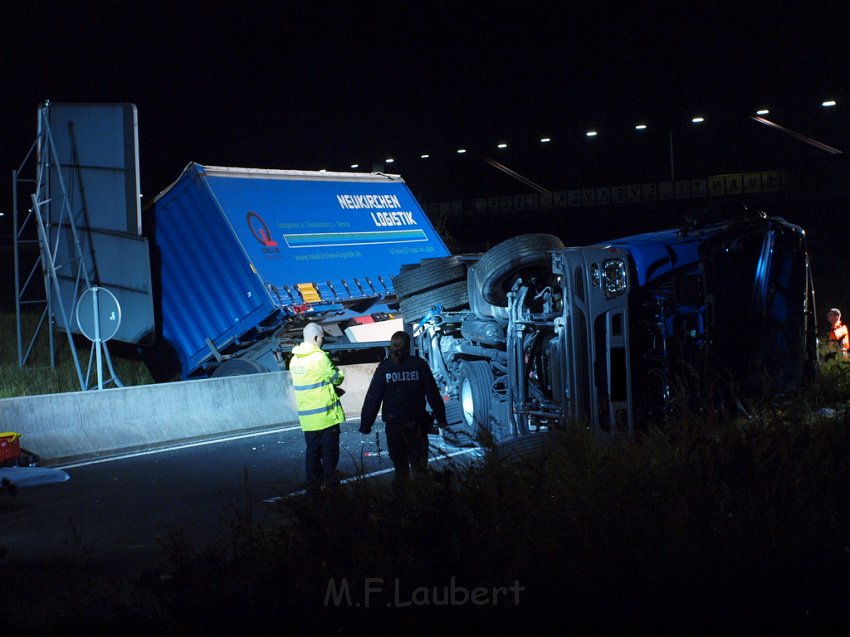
(38,377)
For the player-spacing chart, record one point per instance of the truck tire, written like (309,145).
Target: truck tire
(457,434)
(476,385)
(430,274)
(528,447)
(454,412)
(527,253)
(238,367)
(451,297)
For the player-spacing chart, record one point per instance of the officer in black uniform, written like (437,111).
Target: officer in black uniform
(402,383)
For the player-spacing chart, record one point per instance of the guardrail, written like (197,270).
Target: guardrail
(71,426)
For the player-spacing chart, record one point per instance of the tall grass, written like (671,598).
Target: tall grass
(698,526)
(38,377)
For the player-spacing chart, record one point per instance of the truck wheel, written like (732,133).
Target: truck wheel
(454,412)
(457,434)
(238,367)
(451,297)
(476,383)
(526,254)
(531,446)
(428,276)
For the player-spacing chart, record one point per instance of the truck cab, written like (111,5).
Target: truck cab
(613,336)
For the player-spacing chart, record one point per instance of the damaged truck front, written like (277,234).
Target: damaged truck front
(533,335)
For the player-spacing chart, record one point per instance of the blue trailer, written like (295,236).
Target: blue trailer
(243,258)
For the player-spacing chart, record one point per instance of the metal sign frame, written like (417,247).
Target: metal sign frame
(38,218)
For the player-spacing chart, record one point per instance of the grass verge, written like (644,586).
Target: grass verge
(698,526)
(38,377)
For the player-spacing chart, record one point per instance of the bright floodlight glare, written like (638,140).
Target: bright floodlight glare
(640,127)
(460,151)
(355,165)
(503,145)
(389,160)
(762,111)
(545,140)
(828,103)
(591,133)
(698,120)
(425,156)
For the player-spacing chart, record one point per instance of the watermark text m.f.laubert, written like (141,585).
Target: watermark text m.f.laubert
(374,592)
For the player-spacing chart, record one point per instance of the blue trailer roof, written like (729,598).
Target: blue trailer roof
(238,247)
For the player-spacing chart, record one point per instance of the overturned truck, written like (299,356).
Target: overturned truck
(533,335)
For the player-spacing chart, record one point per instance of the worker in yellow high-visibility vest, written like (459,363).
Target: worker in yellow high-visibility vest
(316,378)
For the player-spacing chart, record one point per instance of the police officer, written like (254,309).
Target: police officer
(315,378)
(403,382)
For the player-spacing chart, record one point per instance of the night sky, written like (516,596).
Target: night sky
(312,85)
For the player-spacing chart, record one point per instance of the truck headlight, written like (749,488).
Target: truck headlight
(611,277)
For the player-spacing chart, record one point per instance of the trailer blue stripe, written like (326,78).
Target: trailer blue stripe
(327,239)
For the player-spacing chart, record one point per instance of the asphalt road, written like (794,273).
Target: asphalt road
(120,513)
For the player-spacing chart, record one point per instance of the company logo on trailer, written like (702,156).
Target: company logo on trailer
(261,232)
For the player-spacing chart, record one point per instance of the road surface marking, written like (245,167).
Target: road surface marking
(374,474)
(187,445)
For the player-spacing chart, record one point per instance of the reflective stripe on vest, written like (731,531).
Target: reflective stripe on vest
(319,410)
(313,386)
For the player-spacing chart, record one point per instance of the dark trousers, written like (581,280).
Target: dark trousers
(407,443)
(322,456)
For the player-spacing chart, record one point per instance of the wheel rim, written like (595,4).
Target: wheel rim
(467,404)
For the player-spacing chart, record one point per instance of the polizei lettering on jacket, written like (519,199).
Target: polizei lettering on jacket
(394,218)
(400,377)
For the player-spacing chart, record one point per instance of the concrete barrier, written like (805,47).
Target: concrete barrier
(78,425)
